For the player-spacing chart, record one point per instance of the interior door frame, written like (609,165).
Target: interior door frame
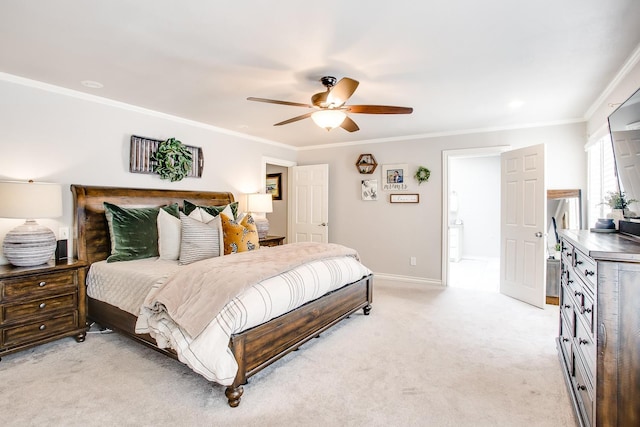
(447,155)
(263,178)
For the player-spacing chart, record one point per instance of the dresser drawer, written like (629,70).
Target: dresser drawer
(586,269)
(586,347)
(566,341)
(16,335)
(587,311)
(37,285)
(12,313)
(567,307)
(583,390)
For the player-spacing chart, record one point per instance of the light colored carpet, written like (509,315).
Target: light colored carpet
(424,357)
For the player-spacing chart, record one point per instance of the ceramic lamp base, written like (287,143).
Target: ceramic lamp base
(262,225)
(29,244)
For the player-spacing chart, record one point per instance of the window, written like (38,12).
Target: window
(601,178)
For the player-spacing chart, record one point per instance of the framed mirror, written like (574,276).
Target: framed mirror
(564,211)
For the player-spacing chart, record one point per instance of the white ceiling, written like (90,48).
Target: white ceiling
(458,63)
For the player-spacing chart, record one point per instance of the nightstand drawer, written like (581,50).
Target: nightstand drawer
(37,285)
(41,307)
(13,336)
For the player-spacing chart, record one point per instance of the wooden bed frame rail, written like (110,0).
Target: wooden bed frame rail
(254,349)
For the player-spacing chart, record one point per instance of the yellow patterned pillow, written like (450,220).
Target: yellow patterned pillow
(240,235)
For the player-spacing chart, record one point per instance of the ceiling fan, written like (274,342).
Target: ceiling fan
(330,109)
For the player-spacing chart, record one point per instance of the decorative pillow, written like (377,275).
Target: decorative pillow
(134,231)
(240,235)
(231,210)
(169,235)
(200,240)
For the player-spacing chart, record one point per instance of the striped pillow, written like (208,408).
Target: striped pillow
(199,240)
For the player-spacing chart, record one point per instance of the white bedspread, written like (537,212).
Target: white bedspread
(208,354)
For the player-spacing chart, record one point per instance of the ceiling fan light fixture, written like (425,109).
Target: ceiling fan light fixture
(328,119)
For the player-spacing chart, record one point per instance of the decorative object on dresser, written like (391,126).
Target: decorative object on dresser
(272,241)
(366,164)
(144,158)
(41,304)
(260,204)
(30,243)
(598,343)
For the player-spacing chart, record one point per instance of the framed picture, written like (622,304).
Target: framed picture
(369,189)
(394,177)
(404,198)
(274,185)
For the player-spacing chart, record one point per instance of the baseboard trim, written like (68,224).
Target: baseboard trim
(408,279)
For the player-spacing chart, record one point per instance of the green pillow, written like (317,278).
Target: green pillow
(134,231)
(211,210)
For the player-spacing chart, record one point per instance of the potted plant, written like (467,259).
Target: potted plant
(619,205)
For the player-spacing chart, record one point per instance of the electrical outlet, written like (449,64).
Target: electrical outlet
(63,233)
(412,261)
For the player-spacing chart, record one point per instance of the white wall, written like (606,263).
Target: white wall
(54,137)
(476,181)
(387,235)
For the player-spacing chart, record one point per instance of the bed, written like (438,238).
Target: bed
(252,349)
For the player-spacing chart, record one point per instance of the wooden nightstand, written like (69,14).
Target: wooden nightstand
(41,304)
(272,241)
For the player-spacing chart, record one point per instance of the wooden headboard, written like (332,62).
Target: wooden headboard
(90,224)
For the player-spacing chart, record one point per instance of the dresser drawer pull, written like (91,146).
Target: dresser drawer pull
(42,305)
(581,387)
(567,306)
(565,339)
(43,327)
(589,273)
(578,262)
(569,281)
(582,341)
(586,310)
(41,284)
(577,293)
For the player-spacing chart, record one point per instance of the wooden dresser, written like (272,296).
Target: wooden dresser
(599,339)
(41,304)
(272,241)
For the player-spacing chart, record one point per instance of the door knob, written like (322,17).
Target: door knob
(323,224)
(538,234)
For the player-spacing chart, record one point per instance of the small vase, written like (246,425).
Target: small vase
(616,215)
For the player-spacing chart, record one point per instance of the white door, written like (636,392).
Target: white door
(523,225)
(309,203)
(627,147)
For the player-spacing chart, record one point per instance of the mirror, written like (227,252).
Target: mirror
(564,211)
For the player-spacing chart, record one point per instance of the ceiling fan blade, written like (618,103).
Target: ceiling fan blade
(295,119)
(275,101)
(342,91)
(349,125)
(378,109)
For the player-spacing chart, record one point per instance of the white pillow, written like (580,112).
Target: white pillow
(169,235)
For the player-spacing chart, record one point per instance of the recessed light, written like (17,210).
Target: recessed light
(92,84)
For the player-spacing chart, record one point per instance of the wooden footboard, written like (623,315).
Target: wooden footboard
(262,345)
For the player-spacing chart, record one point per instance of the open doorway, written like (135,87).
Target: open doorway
(471,218)
(278,170)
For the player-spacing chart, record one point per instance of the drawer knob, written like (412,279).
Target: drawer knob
(587,310)
(578,262)
(582,341)
(577,293)
(589,273)
(569,281)
(581,387)
(42,305)
(43,327)
(567,306)
(41,284)
(565,339)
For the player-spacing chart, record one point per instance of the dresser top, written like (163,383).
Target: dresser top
(605,246)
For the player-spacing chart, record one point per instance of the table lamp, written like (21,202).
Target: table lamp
(30,243)
(260,203)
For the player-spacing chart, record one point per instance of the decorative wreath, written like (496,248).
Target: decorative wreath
(422,174)
(173,160)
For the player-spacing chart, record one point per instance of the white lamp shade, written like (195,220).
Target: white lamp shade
(329,119)
(30,200)
(260,203)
